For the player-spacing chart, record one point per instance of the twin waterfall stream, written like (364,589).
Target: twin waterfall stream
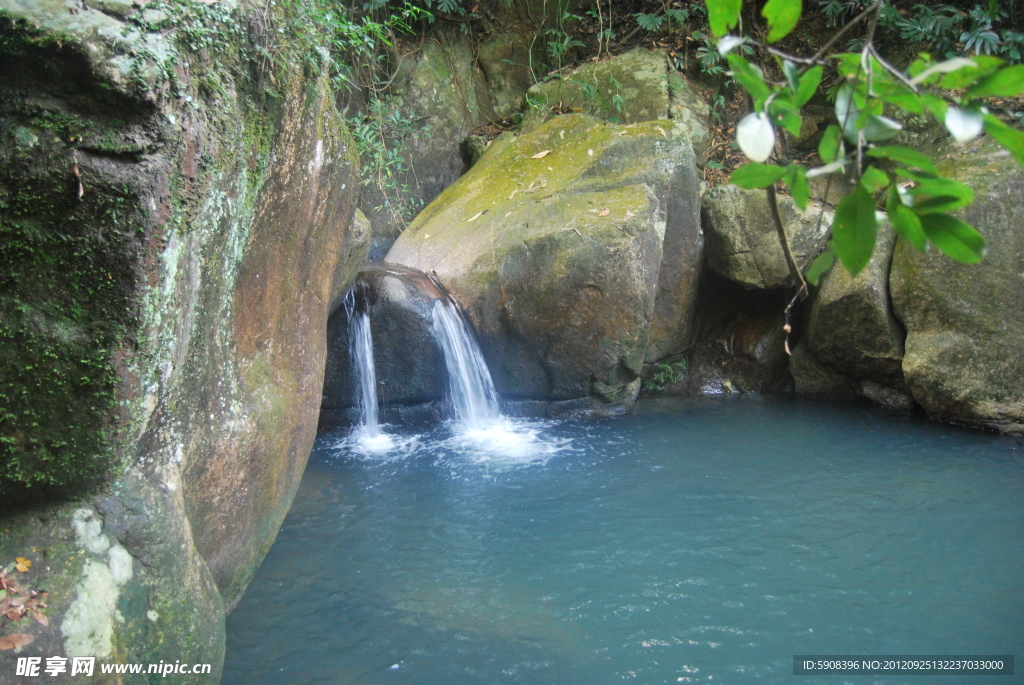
(477,422)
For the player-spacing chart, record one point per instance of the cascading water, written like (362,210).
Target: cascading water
(482,432)
(472,390)
(362,362)
(368,436)
(479,431)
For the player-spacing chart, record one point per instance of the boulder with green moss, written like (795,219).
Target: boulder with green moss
(743,242)
(175,213)
(553,244)
(440,92)
(964,361)
(640,85)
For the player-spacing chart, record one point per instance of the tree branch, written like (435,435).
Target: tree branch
(794,269)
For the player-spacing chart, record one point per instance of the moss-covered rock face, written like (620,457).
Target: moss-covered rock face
(443,90)
(639,85)
(964,361)
(743,243)
(553,244)
(171,228)
(852,332)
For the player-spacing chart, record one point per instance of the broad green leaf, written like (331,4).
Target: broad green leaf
(757,175)
(831,144)
(938,203)
(899,95)
(1010,138)
(798,186)
(950,65)
(820,265)
(808,85)
(934,104)
(756,137)
(1007,82)
(854,230)
(904,221)
(788,120)
(723,15)
(782,16)
(874,179)
(792,75)
(984,65)
(904,155)
(930,185)
(750,78)
(956,238)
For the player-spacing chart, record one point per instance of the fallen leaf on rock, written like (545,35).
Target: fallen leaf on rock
(16,640)
(561,134)
(604,212)
(475,216)
(660,130)
(15,614)
(542,153)
(509,214)
(629,214)
(38,616)
(22,564)
(531,185)
(513,193)
(550,169)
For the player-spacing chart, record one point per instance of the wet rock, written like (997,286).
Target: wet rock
(963,359)
(410,367)
(554,256)
(743,243)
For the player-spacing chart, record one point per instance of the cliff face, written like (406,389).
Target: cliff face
(175,216)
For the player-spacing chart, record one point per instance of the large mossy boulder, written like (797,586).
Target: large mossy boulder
(852,333)
(173,221)
(964,361)
(640,85)
(743,242)
(553,244)
(442,92)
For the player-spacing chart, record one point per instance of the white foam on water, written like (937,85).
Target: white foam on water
(505,442)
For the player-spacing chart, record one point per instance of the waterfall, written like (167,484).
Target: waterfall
(472,390)
(361,349)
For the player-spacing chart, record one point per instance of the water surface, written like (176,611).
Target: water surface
(694,541)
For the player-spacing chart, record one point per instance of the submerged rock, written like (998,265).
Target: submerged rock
(640,85)
(964,361)
(743,242)
(553,244)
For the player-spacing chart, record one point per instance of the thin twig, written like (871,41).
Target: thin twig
(856,20)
